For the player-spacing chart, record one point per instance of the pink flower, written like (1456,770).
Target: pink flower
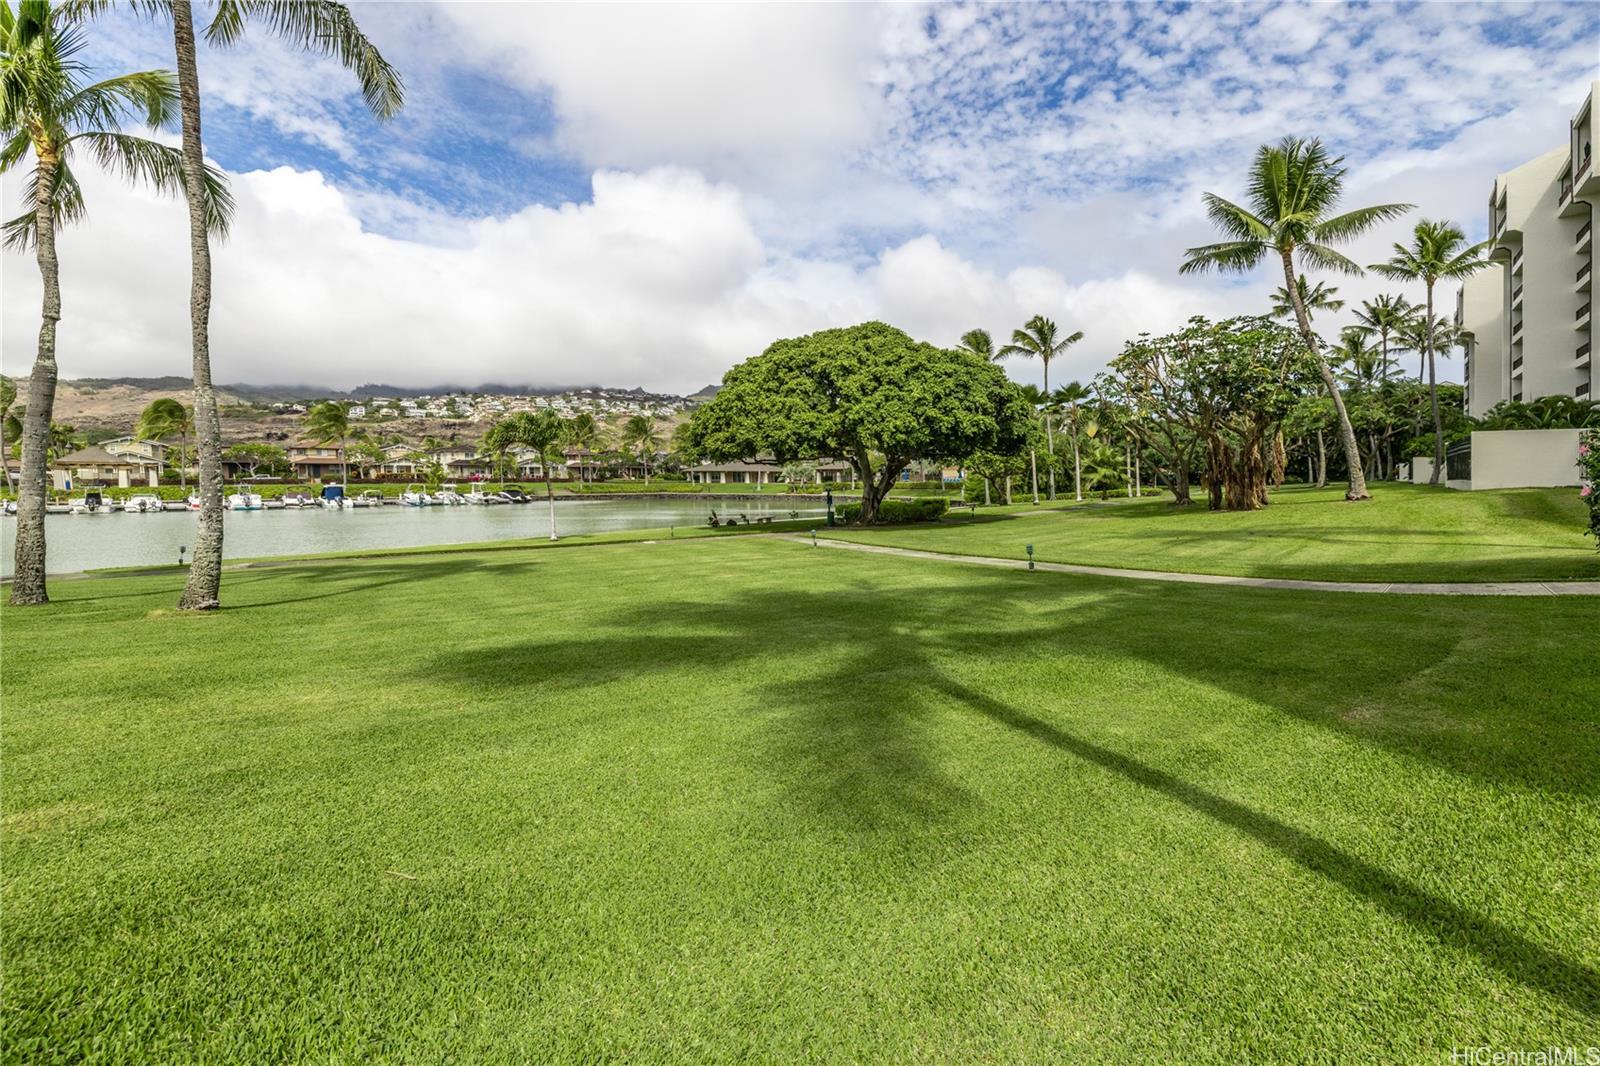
(1583,449)
(1584,492)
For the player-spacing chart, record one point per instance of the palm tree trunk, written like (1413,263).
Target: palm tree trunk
(1033,467)
(1433,399)
(1077,464)
(27,584)
(549,493)
(986,500)
(1322,459)
(1347,433)
(1008,490)
(203,589)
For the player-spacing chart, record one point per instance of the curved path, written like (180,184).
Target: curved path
(1402,588)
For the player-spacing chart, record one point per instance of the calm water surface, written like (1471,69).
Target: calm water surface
(86,542)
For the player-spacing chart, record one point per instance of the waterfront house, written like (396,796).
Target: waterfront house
(96,466)
(316,462)
(763,471)
(153,450)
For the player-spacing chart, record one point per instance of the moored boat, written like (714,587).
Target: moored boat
(142,503)
(92,502)
(242,500)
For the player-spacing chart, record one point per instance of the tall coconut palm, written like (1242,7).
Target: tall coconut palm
(52,113)
(639,433)
(1438,251)
(582,430)
(1292,191)
(329,423)
(1313,298)
(1385,315)
(543,433)
(1037,399)
(978,342)
(319,26)
(164,418)
(1038,340)
(1071,398)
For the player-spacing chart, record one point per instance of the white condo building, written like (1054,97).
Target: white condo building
(1530,313)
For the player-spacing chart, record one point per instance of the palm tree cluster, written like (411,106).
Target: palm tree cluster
(52,115)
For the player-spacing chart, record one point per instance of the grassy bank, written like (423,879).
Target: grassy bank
(1407,533)
(736,798)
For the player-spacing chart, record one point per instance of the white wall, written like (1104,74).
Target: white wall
(1524,458)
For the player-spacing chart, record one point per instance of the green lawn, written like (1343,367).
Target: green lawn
(1406,533)
(741,799)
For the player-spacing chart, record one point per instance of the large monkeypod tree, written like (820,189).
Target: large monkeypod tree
(869,394)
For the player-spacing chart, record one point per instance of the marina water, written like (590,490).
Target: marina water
(87,542)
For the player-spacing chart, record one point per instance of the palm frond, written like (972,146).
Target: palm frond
(105,104)
(323,27)
(19,234)
(1353,224)
(1326,258)
(1235,221)
(161,166)
(1229,257)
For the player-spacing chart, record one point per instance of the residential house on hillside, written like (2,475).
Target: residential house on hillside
(96,466)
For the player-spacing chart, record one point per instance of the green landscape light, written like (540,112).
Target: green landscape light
(813,538)
(181,549)
(1030,557)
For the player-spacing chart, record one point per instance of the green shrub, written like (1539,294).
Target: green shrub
(892,510)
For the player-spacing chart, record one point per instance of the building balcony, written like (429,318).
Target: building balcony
(1516,367)
(1585,238)
(1583,276)
(1581,319)
(1582,357)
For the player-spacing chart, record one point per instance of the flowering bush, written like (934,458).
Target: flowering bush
(1589,465)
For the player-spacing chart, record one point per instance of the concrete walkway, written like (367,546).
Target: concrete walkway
(1399,588)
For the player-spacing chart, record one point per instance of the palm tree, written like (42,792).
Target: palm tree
(164,418)
(1036,398)
(1439,250)
(8,423)
(639,433)
(542,432)
(1038,339)
(319,26)
(582,431)
(327,423)
(1071,397)
(978,342)
(1293,188)
(48,108)
(1313,298)
(1385,315)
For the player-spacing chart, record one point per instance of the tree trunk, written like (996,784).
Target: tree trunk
(1347,433)
(1433,400)
(27,583)
(1138,475)
(550,493)
(1322,459)
(1077,465)
(986,500)
(1008,490)
(1033,467)
(203,589)
(1127,466)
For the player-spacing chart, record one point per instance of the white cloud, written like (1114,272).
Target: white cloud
(764,86)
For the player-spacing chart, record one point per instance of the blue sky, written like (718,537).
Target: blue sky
(645,195)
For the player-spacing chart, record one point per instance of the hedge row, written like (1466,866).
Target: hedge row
(892,510)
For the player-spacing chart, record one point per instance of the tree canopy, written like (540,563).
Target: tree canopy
(866,393)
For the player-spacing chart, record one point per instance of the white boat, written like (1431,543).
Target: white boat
(92,502)
(480,496)
(142,503)
(370,498)
(298,499)
(9,507)
(448,496)
(415,497)
(242,500)
(56,508)
(192,503)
